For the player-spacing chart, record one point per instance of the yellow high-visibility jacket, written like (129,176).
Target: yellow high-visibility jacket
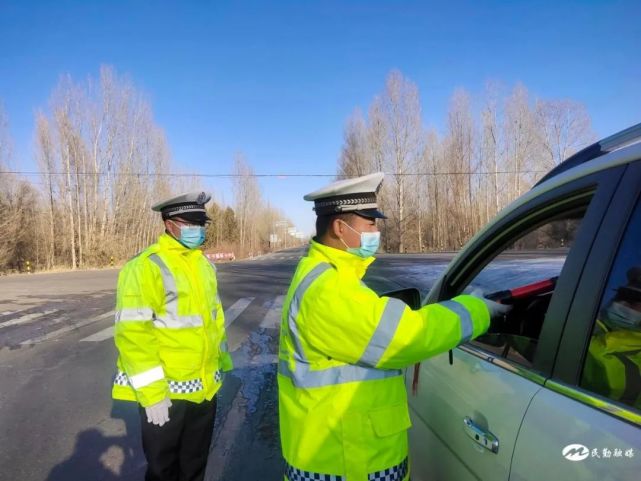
(613,365)
(342,399)
(170,326)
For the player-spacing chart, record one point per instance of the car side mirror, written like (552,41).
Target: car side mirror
(410,296)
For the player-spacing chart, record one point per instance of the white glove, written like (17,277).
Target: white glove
(496,310)
(158,413)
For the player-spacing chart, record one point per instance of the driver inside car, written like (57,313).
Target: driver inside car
(613,366)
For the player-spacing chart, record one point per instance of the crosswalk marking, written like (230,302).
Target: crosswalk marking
(27,318)
(63,330)
(236,309)
(272,317)
(13,313)
(100,335)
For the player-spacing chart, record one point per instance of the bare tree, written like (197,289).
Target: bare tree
(8,214)
(377,131)
(444,189)
(247,201)
(45,154)
(490,151)
(102,138)
(431,193)
(459,154)
(355,159)
(397,116)
(521,139)
(67,145)
(377,134)
(18,201)
(564,127)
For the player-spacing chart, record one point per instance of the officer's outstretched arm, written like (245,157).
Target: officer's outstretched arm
(434,329)
(354,325)
(134,334)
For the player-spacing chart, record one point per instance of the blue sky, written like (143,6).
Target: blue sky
(277,80)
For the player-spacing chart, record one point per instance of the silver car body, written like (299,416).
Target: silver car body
(532,420)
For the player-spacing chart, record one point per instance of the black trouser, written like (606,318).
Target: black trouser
(178,450)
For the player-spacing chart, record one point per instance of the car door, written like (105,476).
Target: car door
(586,421)
(467,407)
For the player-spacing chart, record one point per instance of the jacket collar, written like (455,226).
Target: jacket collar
(339,258)
(168,243)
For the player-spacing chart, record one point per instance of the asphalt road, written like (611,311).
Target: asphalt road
(57,359)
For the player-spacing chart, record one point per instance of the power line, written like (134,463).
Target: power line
(284,175)
(160,174)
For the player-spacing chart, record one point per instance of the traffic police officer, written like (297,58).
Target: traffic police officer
(170,335)
(342,397)
(613,363)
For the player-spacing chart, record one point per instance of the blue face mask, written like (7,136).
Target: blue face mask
(370,242)
(191,236)
(623,317)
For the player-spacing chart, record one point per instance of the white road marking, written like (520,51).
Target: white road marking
(236,309)
(7,313)
(27,318)
(272,317)
(100,335)
(67,328)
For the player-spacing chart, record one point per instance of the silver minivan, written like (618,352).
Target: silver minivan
(553,391)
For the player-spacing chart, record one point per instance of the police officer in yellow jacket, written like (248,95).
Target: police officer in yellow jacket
(342,398)
(613,364)
(170,335)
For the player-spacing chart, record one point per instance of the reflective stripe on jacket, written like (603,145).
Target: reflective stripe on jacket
(342,398)
(170,326)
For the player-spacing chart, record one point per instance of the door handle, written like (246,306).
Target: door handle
(480,435)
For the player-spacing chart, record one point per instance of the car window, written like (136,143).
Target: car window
(524,274)
(612,366)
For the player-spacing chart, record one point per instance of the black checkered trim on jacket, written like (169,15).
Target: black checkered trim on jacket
(295,474)
(185,387)
(395,473)
(121,379)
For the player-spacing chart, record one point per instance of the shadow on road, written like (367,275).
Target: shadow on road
(100,457)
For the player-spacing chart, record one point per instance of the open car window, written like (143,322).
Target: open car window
(524,274)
